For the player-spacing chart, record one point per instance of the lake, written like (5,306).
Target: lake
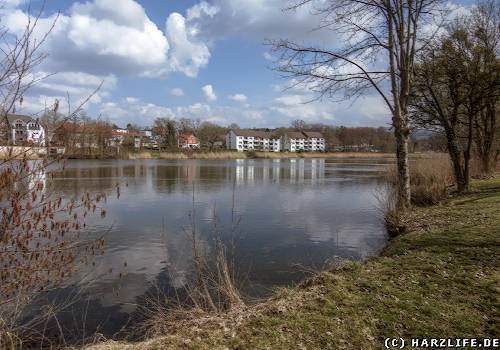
(294,216)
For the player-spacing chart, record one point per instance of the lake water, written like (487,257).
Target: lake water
(293,215)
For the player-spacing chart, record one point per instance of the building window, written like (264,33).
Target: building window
(33,126)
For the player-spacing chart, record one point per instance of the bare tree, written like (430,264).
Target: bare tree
(167,131)
(19,57)
(381,38)
(485,30)
(43,236)
(209,133)
(298,125)
(457,89)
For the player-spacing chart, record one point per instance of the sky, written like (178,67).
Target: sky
(180,59)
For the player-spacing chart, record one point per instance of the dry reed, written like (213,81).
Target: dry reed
(430,179)
(265,155)
(201,155)
(30,155)
(211,292)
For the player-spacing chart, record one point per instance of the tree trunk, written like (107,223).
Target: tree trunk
(486,130)
(404,194)
(468,152)
(456,159)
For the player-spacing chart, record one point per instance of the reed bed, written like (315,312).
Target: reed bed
(265,155)
(140,155)
(430,178)
(201,155)
(18,155)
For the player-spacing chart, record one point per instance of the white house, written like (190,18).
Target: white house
(252,140)
(25,129)
(147,133)
(119,136)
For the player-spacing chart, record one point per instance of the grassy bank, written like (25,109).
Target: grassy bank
(262,155)
(441,279)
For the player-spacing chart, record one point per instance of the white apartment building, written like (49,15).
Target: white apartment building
(294,141)
(252,140)
(315,141)
(304,141)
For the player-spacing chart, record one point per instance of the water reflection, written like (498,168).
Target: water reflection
(297,211)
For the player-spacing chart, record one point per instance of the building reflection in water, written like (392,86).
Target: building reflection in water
(293,171)
(286,172)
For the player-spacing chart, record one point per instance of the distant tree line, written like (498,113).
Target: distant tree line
(83,135)
(338,138)
(80,134)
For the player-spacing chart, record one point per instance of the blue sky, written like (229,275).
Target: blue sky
(181,58)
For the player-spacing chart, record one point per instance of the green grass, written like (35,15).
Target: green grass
(439,280)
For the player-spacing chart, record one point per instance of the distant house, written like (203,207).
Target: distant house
(187,141)
(24,129)
(252,140)
(147,133)
(119,135)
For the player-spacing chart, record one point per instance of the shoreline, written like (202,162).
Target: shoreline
(437,280)
(227,155)
(224,155)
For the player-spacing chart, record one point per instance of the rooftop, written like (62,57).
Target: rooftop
(313,134)
(253,133)
(13,117)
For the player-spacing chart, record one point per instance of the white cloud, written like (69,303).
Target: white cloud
(269,57)
(238,98)
(78,87)
(367,111)
(142,46)
(202,9)
(374,108)
(313,112)
(292,100)
(132,100)
(177,92)
(12,3)
(255,19)
(209,93)
(150,112)
(187,56)
(196,111)
(136,112)
(98,37)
